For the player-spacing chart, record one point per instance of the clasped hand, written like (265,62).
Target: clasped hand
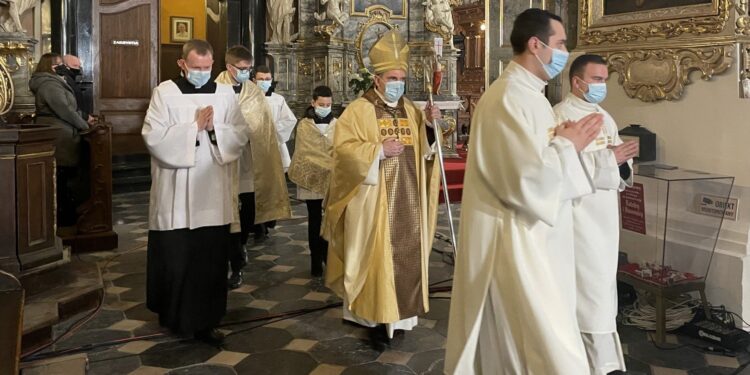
(625,151)
(205,118)
(392,147)
(581,132)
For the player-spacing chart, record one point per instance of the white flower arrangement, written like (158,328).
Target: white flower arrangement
(360,81)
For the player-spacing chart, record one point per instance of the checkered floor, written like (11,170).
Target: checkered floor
(278,281)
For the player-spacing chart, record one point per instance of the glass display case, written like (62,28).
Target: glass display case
(670,220)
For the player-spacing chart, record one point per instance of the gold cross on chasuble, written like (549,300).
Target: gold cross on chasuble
(397,128)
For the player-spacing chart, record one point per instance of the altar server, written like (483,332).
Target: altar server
(195,132)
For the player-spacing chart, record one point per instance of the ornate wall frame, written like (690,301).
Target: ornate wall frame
(376,15)
(404,9)
(650,50)
(596,28)
(652,75)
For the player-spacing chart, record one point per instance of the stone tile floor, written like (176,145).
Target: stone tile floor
(278,281)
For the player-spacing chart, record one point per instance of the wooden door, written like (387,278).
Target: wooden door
(125,39)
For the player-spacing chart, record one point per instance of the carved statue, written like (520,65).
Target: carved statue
(10,14)
(281,14)
(335,11)
(439,15)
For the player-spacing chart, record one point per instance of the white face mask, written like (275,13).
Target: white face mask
(557,62)
(322,112)
(264,85)
(394,90)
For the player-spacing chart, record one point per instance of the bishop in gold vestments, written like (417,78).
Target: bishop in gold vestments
(381,208)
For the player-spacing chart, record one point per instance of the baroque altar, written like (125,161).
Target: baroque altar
(330,42)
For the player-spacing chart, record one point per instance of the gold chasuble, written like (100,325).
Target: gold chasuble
(271,196)
(381,229)
(312,161)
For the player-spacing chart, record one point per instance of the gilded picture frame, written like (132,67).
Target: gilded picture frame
(625,21)
(398,8)
(180,29)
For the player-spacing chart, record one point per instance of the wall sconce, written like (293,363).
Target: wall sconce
(482,26)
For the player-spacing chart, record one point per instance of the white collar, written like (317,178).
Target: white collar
(581,104)
(526,77)
(390,104)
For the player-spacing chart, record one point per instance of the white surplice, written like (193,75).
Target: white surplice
(191,176)
(513,301)
(597,232)
(284,120)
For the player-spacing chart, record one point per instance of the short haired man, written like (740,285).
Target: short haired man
(195,133)
(596,216)
(311,169)
(513,301)
(283,118)
(260,199)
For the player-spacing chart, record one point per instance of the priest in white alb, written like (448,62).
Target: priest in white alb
(194,132)
(596,216)
(513,299)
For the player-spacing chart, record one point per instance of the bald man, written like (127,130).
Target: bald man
(70,70)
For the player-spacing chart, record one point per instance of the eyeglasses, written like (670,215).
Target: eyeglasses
(242,69)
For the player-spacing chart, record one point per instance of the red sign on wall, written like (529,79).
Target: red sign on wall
(632,209)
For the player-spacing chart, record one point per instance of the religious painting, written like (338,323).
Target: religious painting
(602,13)
(180,29)
(624,21)
(398,7)
(612,7)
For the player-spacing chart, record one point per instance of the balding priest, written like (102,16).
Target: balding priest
(195,133)
(381,206)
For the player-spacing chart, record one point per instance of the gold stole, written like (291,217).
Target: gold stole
(271,195)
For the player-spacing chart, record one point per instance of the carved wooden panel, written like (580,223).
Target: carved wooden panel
(8,260)
(125,41)
(35,200)
(125,68)
(27,167)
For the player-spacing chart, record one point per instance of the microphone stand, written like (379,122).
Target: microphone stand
(437,73)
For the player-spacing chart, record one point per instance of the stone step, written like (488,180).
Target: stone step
(56,295)
(131,184)
(131,173)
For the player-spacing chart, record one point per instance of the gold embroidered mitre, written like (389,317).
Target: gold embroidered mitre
(390,52)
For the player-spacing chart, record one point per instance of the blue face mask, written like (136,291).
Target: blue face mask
(394,90)
(198,77)
(264,85)
(242,75)
(597,93)
(557,64)
(322,112)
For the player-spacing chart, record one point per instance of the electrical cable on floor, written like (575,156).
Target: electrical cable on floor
(32,356)
(643,315)
(81,322)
